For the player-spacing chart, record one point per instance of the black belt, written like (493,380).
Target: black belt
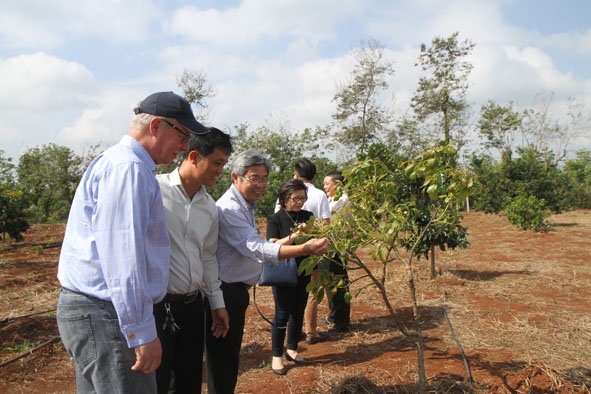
(182,298)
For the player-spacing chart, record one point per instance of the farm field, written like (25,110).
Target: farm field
(517,302)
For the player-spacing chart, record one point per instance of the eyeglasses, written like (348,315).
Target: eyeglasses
(185,135)
(297,199)
(257,182)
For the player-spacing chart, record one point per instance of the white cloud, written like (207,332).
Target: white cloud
(575,42)
(40,93)
(105,121)
(278,59)
(39,81)
(256,23)
(45,25)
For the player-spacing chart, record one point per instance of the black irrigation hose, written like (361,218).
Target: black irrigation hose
(9,319)
(28,352)
(453,334)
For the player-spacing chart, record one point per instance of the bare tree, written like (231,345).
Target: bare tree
(443,93)
(359,113)
(500,125)
(196,89)
(546,134)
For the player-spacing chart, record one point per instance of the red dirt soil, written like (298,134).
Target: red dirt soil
(517,302)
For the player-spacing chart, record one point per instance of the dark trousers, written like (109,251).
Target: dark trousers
(223,354)
(182,351)
(290,303)
(340,311)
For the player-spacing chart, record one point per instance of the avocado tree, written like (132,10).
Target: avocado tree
(391,215)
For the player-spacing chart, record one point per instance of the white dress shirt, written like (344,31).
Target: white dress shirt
(193,231)
(317,202)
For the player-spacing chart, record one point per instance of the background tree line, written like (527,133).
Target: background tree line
(522,155)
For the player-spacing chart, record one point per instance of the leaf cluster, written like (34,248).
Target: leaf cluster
(397,214)
(528,213)
(13,212)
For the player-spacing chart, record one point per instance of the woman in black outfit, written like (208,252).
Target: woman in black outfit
(290,302)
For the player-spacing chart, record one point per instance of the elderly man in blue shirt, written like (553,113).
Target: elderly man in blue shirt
(115,255)
(241,252)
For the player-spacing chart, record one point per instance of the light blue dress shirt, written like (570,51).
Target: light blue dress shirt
(116,247)
(241,250)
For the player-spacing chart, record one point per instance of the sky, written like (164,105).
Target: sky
(71,71)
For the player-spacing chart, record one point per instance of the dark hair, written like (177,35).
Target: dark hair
(336,176)
(305,169)
(206,143)
(287,189)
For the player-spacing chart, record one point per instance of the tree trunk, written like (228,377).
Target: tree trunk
(432,256)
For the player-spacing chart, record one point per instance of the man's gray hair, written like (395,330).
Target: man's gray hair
(247,159)
(141,120)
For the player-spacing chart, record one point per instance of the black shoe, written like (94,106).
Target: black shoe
(322,336)
(339,329)
(281,371)
(302,361)
(302,337)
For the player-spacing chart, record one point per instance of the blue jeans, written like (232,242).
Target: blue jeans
(90,333)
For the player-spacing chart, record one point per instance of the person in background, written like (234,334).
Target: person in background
(290,302)
(241,252)
(192,220)
(340,310)
(114,261)
(317,203)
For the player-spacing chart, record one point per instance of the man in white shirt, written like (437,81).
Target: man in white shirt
(317,203)
(192,221)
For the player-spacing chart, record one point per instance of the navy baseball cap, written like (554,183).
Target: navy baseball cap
(171,105)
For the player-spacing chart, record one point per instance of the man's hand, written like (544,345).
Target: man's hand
(317,247)
(221,323)
(148,357)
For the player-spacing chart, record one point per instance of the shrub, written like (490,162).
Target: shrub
(528,213)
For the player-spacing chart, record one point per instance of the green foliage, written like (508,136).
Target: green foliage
(385,225)
(578,172)
(408,209)
(443,93)
(358,112)
(386,154)
(23,347)
(406,137)
(530,173)
(492,188)
(436,222)
(49,175)
(6,169)
(499,125)
(195,87)
(13,208)
(528,212)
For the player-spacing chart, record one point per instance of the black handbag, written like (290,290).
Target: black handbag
(284,273)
